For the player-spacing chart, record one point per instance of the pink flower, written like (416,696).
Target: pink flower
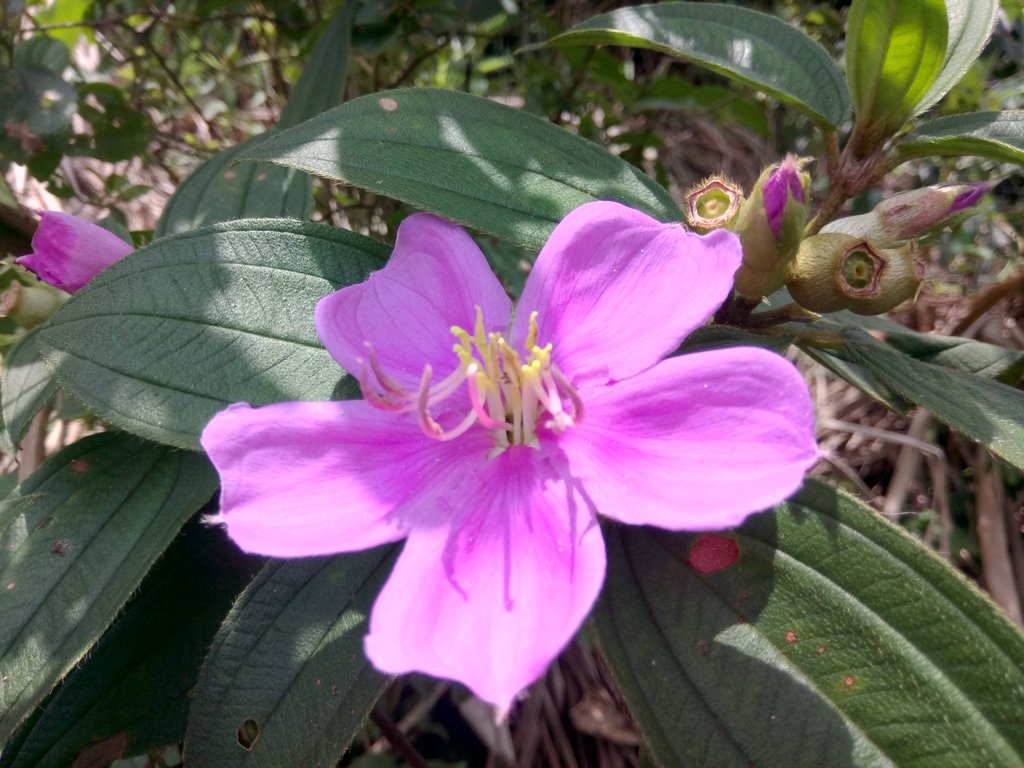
(68,252)
(494,459)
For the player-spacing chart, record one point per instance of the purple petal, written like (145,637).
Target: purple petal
(969,195)
(68,252)
(696,443)
(493,599)
(435,279)
(616,290)
(302,479)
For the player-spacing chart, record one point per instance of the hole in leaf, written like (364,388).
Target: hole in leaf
(248,733)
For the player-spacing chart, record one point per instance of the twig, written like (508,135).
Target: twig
(987,298)
(33,448)
(990,498)
(907,464)
(398,740)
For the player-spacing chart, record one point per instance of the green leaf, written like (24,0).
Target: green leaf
(161,341)
(984,410)
(894,52)
(472,160)
(954,352)
(220,190)
(26,385)
(970,26)
(287,682)
(75,541)
(835,639)
(858,377)
(133,692)
(748,46)
(42,52)
(726,336)
(999,135)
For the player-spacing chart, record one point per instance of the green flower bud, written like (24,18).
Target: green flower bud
(770,226)
(30,305)
(712,204)
(836,270)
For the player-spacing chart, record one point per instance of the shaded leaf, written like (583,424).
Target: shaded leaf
(835,639)
(469,159)
(133,692)
(751,47)
(999,135)
(287,682)
(75,541)
(162,340)
(26,384)
(984,410)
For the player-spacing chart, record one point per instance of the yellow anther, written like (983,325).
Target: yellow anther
(531,334)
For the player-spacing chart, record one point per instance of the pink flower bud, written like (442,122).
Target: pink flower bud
(770,225)
(912,215)
(68,252)
(783,183)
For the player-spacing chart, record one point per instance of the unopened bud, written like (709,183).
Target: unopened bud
(911,215)
(712,204)
(835,270)
(770,225)
(29,305)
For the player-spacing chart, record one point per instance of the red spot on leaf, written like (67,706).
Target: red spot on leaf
(79,465)
(10,585)
(849,681)
(387,104)
(822,649)
(712,552)
(791,637)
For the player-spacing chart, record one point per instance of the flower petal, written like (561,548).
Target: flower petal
(68,252)
(696,443)
(301,479)
(435,279)
(616,290)
(491,599)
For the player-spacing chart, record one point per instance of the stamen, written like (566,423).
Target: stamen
(383,379)
(378,400)
(578,412)
(473,376)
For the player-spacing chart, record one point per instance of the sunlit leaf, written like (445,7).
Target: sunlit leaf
(162,340)
(748,46)
(472,160)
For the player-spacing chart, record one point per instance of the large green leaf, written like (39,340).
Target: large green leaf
(287,682)
(894,53)
(970,26)
(219,190)
(999,135)
(162,340)
(741,44)
(75,541)
(26,384)
(132,694)
(494,168)
(984,410)
(835,639)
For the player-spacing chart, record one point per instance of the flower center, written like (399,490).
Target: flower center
(507,395)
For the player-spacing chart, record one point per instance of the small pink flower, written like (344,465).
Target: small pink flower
(68,252)
(491,444)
